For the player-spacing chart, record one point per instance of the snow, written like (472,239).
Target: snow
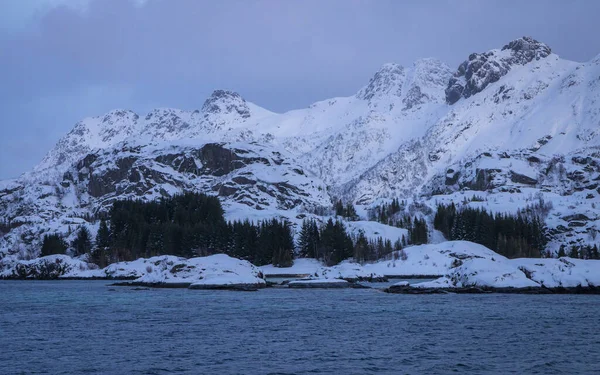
(51,266)
(219,269)
(564,272)
(428,260)
(460,264)
(301,266)
(347,269)
(373,229)
(477,266)
(496,273)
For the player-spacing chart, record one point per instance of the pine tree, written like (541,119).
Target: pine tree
(283,258)
(512,236)
(398,245)
(53,244)
(574,253)
(305,240)
(339,208)
(361,248)
(82,244)
(595,252)
(336,244)
(350,212)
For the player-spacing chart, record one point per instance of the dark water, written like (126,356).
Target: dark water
(73,327)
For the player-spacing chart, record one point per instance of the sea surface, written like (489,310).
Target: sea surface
(88,327)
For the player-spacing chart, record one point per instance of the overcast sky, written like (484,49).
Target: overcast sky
(62,60)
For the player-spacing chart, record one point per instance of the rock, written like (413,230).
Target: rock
(481,69)
(319,283)
(407,289)
(239,287)
(578,217)
(483,180)
(467,290)
(46,268)
(576,175)
(522,179)
(581,160)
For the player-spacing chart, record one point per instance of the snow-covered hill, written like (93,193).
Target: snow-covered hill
(517,124)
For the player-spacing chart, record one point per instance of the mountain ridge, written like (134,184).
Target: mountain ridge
(397,137)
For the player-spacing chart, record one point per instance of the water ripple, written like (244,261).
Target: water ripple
(88,328)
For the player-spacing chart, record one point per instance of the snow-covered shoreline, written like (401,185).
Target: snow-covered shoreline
(456,266)
(217,271)
(460,266)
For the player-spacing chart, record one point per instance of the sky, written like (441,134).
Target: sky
(63,60)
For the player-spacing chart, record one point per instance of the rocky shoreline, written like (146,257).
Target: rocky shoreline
(407,289)
(185,285)
(328,284)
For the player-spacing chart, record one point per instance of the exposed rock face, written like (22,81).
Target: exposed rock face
(526,49)
(522,179)
(481,69)
(214,167)
(556,183)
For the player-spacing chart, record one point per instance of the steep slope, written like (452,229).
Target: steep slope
(546,106)
(481,69)
(397,106)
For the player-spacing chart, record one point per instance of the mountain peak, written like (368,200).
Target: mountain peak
(117,115)
(526,49)
(481,69)
(225,102)
(387,81)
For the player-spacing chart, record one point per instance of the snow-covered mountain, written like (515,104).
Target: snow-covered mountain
(516,124)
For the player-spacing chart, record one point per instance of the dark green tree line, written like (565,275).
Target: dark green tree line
(188,225)
(53,244)
(512,236)
(345,210)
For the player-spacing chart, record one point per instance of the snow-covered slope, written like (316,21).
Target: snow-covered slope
(516,121)
(461,264)
(548,106)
